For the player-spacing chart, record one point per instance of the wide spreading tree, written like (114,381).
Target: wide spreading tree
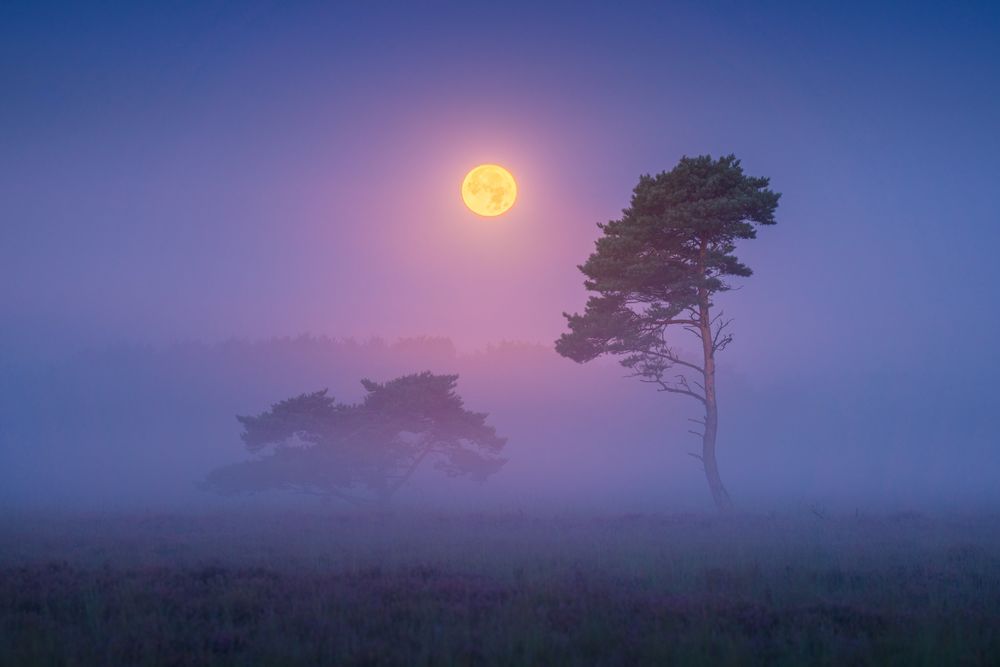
(363,452)
(658,269)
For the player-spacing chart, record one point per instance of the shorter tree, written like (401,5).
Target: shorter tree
(363,452)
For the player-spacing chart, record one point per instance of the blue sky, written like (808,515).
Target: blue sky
(207,170)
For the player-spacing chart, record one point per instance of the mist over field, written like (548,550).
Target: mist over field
(137,427)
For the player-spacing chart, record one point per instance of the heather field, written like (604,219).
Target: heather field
(347,589)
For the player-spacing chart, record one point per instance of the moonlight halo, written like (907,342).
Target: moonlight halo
(489,190)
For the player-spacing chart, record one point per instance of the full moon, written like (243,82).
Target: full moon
(489,190)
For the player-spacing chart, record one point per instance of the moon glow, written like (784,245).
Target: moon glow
(489,190)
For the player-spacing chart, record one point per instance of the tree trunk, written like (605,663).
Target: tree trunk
(719,494)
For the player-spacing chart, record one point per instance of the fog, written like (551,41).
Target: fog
(180,185)
(135,428)
(212,213)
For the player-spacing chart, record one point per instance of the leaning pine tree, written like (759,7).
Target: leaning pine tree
(658,269)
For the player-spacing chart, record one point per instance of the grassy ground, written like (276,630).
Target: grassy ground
(287,589)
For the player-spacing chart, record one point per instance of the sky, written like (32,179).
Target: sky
(202,171)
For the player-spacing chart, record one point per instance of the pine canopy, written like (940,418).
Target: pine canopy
(676,237)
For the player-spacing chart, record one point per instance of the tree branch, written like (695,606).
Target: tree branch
(720,341)
(413,467)
(674,390)
(674,359)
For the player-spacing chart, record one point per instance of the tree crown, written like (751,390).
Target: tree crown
(374,445)
(671,249)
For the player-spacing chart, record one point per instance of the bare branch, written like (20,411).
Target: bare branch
(719,339)
(674,390)
(669,355)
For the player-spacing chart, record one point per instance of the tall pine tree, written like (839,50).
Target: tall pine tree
(657,270)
